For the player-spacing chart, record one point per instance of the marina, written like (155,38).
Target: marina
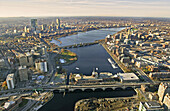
(112,63)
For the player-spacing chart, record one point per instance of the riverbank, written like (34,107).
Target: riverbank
(114,57)
(66,57)
(121,103)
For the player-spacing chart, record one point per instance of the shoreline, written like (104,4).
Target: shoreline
(123,68)
(107,99)
(75,33)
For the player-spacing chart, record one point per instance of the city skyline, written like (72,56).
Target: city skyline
(122,8)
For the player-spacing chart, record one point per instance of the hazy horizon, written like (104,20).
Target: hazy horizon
(69,8)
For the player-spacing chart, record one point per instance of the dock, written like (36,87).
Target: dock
(121,65)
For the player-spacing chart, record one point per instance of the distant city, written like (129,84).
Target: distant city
(43,60)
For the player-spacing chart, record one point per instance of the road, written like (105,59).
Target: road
(29,105)
(52,68)
(143,75)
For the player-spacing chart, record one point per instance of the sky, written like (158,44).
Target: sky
(130,8)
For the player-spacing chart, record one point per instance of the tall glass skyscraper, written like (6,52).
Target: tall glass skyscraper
(58,23)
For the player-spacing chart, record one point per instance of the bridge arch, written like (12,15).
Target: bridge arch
(108,89)
(128,88)
(98,90)
(88,90)
(56,91)
(118,89)
(78,90)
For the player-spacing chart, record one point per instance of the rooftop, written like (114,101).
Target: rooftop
(10,76)
(128,76)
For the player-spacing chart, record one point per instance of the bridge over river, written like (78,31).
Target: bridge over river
(104,87)
(74,88)
(81,44)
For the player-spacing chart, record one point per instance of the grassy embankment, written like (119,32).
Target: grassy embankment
(68,56)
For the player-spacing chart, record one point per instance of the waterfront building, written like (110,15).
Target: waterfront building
(150,106)
(10,81)
(163,89)
(128,77)
(23,74)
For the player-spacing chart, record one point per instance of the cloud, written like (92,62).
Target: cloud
(85,7)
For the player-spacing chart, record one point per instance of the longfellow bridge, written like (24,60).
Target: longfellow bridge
(77,88)
(74,88)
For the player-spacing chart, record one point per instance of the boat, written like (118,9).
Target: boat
(77,68)
(94,73)
(112,63)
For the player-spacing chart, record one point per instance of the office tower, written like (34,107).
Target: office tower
(58,23)
(25,29)
(10,81)
(22,60)
(42,27)
(23,74)
(34,24)
(29,59)
(41,65)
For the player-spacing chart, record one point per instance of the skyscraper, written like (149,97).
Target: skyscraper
(58,23)
(25,29)
(10,81)
(23,74)
(34,23)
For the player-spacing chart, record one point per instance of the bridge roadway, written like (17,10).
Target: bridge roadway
(80,45)
(62,88)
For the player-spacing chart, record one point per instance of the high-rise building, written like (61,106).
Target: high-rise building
(34,24)
(22,60)
(41,66)
(10,81)
(29,59)
(58,23)
(23,74)
(25,29)
(164,88)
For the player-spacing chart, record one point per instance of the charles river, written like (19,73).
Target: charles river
(89,58)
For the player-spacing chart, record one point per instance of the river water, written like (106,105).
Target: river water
(67,103)
(89,57)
